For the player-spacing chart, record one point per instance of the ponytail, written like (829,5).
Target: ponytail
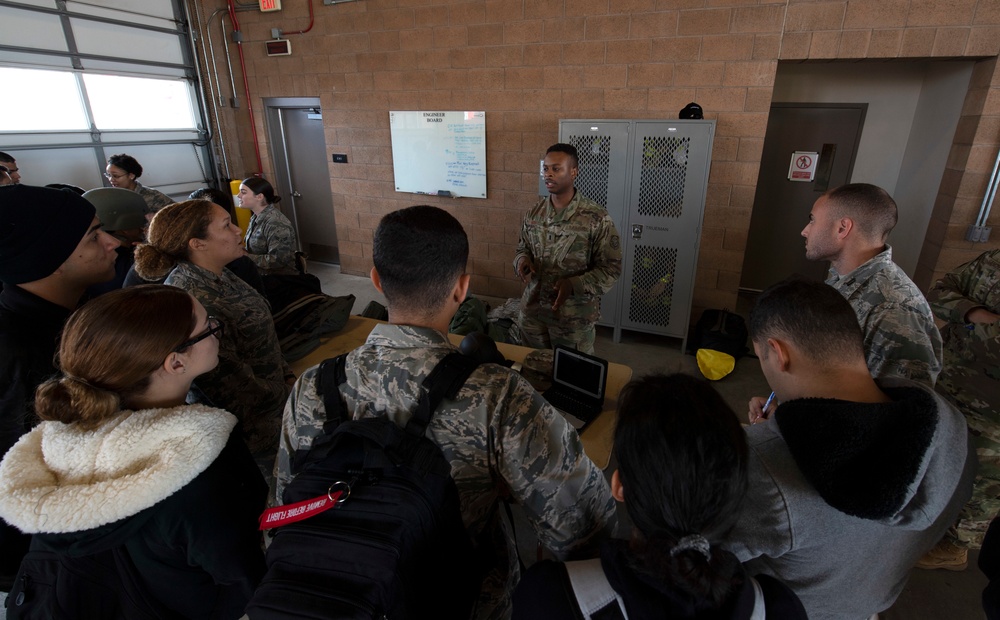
(683,465)
(706,572)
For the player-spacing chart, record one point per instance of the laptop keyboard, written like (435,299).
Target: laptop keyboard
(579,408)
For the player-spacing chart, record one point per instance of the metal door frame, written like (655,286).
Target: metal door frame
(279,151)
(862,107)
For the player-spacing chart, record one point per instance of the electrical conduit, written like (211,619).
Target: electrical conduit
(246,83)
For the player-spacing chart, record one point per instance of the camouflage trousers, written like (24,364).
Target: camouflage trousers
(544,329)
(984,504)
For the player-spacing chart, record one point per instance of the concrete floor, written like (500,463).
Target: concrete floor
(929,595)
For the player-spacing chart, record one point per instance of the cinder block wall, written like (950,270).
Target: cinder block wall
(529,63)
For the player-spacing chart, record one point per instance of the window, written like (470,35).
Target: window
(40,100)
(120,102)
(85,79)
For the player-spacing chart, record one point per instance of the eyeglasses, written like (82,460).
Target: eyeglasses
(215,328)
(114,176)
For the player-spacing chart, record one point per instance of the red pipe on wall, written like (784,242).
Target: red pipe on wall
(312,19)
(246,84)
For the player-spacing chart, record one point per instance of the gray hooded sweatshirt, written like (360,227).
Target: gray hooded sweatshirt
(845,497)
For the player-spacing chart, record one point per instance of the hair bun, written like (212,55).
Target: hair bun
(73,400)
(79,381)
(151,263)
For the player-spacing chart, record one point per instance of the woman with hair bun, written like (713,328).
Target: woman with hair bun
(190,243)
(270,239)
(121,465)
(124,171)
(682,476)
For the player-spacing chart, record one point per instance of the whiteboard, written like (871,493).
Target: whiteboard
(439,153)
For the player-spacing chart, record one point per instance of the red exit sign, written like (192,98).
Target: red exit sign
(270,5)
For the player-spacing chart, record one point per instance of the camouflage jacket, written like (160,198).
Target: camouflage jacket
(249,381)
(155,199)
(901,339)
(270,242)
(579,242)
(497,434)
(971,374)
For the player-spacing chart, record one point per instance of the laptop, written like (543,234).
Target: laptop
(578,384)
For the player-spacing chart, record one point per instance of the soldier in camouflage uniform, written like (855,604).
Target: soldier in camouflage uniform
(155,199)
(569,254)
(501,438)
(848,226)
(270,239)
(124,171)
(969,300)
(251,380)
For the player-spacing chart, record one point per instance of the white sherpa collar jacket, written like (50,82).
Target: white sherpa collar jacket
(59,478)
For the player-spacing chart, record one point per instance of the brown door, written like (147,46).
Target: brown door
(775,249)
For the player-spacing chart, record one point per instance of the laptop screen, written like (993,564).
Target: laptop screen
(582,372)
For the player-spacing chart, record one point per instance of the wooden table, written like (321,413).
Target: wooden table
(597,438)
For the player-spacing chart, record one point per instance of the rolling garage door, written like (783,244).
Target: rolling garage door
(84,80)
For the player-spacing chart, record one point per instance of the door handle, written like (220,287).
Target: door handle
(636,231)
(296,195)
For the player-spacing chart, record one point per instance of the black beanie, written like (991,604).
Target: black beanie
(39,229)
(691,110)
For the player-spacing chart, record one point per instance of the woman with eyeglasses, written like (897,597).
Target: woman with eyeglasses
(123,477)
(190,243)
(124,171)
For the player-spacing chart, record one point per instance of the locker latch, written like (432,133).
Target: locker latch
(636,231)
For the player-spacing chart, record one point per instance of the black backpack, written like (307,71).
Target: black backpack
(720,330)
(302,324)
(103,585)
(396,547)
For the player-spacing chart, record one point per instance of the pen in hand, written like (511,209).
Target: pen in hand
(763,410)
(767,403)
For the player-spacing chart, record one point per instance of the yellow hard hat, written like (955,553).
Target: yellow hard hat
(713,364)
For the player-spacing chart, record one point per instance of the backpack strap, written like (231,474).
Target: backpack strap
(445,380)
(332,374)
(593,592)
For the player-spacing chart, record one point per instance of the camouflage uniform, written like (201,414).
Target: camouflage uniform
(249,381)
(498,433)
(270,242)
(901,339)
(970,379)
(578,242)
(155,199)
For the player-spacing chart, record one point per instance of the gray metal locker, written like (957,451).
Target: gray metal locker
(653,176)
(603,171)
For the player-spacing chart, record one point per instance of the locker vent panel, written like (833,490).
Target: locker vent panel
(652,292)
(663,174)
(594,166)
